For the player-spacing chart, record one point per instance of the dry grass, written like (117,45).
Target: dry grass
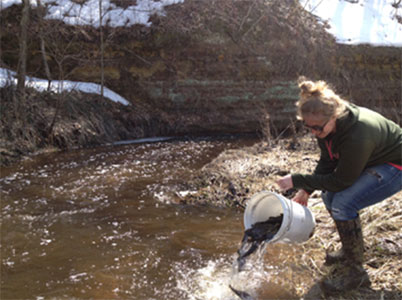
(81,120)
(235,175)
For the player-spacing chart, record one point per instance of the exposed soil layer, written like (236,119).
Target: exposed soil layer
(213,66)
(52,122)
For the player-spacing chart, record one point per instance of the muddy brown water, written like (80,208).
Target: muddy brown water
(101,224)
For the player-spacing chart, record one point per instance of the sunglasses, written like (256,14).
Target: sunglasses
(316,127)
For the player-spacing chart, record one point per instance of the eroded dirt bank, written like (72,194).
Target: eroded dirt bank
(51,122)
(216,65)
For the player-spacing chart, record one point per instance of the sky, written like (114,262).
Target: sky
(373,22)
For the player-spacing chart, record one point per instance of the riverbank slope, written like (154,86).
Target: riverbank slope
(235,175)
(53,122)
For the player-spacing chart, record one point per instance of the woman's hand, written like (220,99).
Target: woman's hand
(285,183)
(301,197)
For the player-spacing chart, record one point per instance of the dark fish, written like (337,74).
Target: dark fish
(254,237)
(242,295)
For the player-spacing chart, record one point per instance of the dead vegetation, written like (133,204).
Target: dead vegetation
(79,120)
(235,175)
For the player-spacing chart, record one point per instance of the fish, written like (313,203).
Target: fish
(242,295)
(257,235)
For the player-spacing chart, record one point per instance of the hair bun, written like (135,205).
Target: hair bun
(308,89)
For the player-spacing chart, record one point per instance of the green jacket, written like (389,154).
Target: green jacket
(363,138)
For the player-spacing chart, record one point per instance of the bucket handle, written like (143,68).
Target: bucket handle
(291,215)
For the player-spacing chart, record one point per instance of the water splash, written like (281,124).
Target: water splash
(210,282)
(217,279)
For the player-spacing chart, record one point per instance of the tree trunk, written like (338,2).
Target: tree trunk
(21,72)
(42,12)
(60,101)
(1,26)
(102,47)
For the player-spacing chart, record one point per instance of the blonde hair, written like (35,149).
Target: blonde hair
(317,98)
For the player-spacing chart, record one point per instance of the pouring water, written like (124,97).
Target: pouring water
(270,218)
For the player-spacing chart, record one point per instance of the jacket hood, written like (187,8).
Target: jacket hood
(345,122)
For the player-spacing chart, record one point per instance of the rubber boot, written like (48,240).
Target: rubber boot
(352,230)
(345,279)
(350,274)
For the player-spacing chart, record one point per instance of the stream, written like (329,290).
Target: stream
(102,223)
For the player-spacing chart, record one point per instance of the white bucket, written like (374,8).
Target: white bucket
(298,222)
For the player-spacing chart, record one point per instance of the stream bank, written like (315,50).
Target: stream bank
(235,175)
(49,122)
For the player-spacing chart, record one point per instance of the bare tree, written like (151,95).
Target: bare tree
(1,26)
(41,12)
(21,72)
(59,52)
(102,47)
